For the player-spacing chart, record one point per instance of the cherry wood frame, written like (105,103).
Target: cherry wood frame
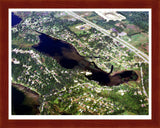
(6,4)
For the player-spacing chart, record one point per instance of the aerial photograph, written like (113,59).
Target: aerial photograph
(79,62)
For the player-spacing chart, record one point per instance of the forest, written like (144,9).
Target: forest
(141,19)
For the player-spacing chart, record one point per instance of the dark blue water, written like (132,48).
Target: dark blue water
(63,52)
(15,19)
(18,105)
(54,47)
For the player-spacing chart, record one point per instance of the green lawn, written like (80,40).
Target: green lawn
(140,41)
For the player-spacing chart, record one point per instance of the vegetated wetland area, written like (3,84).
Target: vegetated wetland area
(48,88)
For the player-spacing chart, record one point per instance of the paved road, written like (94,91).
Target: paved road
(104,31)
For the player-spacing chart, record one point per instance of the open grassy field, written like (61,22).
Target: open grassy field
(140,41)
(77,29)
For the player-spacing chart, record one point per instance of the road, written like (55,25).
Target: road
(104,31)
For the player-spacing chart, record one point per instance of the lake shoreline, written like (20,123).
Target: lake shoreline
(24,100)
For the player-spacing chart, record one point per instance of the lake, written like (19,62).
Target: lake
(15,19)
(24,101)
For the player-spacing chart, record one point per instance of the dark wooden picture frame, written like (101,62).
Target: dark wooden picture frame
(4,115)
